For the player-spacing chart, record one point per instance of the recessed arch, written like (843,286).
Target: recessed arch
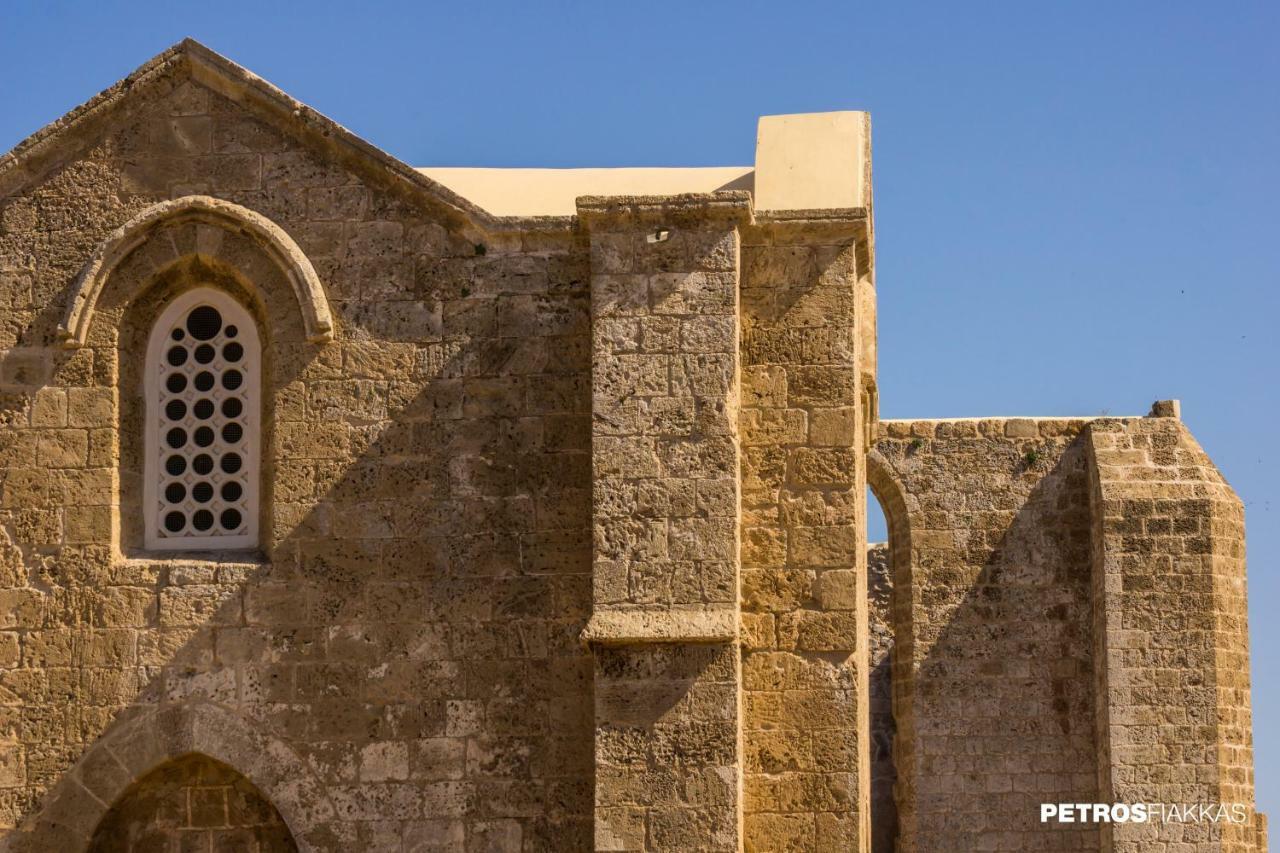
(192,802)
(312,302)
(148,738)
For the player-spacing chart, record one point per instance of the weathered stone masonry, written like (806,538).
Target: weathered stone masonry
(563,523)
(666,459)
(1067,594)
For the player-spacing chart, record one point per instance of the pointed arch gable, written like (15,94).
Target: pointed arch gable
(223,811)
(151,737)
(312,301)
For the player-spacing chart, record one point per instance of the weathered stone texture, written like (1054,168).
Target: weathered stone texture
(667,770)
(563,531)
(413,630)
(664,416)
(665,473)
(1172,644)
(999,714)
(803,518)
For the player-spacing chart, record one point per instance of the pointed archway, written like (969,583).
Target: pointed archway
(192,802)
(151,738)
(889,594)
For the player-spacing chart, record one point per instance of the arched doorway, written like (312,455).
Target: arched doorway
(889,605)
(192,803)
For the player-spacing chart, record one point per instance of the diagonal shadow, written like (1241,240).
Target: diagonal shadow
(1002,697)
(414,632)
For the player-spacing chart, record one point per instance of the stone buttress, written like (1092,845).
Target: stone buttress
(666,457)
(562,532)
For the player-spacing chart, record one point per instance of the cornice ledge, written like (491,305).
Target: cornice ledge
(732,207)
(636,626)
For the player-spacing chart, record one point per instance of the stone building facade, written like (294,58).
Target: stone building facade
(351,506)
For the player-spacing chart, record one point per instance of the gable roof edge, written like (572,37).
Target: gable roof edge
(220,74)
(30,158)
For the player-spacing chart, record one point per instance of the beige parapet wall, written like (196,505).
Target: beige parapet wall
(563,520)
(808,161)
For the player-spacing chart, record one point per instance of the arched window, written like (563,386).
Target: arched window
(203,413)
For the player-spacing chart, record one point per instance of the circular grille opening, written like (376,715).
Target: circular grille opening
(202,449)
(204,322)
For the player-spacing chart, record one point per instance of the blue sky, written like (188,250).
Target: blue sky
(1075,202)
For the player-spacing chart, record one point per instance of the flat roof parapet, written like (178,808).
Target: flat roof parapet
(808,166)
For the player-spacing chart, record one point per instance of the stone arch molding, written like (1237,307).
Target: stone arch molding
(887,486)
(886,483)
(76,804)
(312,301)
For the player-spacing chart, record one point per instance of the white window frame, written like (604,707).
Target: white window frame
(153,508)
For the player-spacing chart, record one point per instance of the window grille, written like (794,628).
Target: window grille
(203,407)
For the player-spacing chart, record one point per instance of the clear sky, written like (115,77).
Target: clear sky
(1075,201)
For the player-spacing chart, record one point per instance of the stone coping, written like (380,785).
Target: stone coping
(994,427)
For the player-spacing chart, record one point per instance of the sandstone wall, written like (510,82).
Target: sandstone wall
(1171,636)
(993,676)
(564,536)
(665,469)
(413,630)
(1069,627)
(804,614)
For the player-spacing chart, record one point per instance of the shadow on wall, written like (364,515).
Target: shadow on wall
(884,809)
(192,803)
(413,636)
(993,691)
